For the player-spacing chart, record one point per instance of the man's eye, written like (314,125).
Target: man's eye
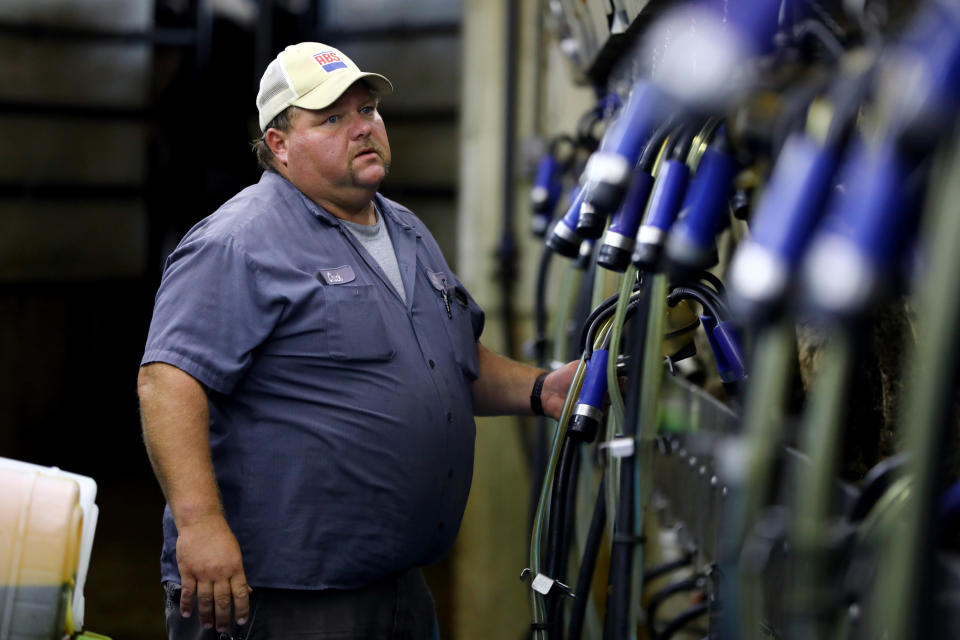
(331,119)
(367,110)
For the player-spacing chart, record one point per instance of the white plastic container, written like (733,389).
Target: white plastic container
(48,518)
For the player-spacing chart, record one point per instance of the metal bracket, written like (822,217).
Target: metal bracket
(544,585)
(620,447)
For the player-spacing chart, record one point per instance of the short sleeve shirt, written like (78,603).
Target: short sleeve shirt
(341,417)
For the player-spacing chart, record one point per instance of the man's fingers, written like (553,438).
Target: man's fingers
(222,599)
(205,603)
(241,597)
(187,590)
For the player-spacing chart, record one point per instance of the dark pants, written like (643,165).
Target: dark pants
(396,608)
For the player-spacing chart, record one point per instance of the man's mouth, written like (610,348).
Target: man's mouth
(367,153)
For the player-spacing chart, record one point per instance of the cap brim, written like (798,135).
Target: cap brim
(326,94)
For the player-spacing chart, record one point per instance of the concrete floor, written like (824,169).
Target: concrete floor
(124,599)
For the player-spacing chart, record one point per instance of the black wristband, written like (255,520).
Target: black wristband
(535,404)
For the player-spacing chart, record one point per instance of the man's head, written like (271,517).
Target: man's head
(322,130)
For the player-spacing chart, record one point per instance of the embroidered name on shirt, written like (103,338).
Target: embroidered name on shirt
(337,275)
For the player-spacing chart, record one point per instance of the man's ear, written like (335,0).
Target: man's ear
(277,141)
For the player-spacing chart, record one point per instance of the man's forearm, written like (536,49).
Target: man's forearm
(503,386)
(176,431)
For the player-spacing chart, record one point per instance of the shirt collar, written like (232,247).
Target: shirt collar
(290,191)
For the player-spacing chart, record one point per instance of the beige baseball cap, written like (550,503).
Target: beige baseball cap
(311,75)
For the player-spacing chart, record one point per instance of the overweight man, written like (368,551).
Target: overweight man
(309,384)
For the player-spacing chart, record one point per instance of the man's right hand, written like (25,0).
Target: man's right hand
(211,567)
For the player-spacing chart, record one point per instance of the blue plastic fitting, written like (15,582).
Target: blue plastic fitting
(620,238)
(585,422)
(564,238)
(858,243)
(785,219)
(610,167)
(546,192)
(665,203)
(756,20)
(950,504)
(725,342)
(930,51)
(691,243)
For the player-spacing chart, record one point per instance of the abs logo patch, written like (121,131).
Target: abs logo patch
(329,60)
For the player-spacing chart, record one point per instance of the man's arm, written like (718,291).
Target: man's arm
(503,386)
(176,431)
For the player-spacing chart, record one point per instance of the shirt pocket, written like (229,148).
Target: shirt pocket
(354,324)
(452,301)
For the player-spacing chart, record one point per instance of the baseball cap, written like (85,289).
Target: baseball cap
(311,75)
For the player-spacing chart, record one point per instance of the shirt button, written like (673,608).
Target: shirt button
(449,417)
(432,363)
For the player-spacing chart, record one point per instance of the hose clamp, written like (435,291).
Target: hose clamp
(588,412)
(618,240)
(649,234)
(607,167)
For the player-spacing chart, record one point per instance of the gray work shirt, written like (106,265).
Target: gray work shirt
(341,418)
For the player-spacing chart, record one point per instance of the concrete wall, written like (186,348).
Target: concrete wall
(38,149)
(491,551)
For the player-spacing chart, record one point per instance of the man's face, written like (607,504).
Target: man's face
(339,154)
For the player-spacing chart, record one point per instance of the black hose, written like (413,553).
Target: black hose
(507,250)
(717,299)
(683,140)
(599,310)
(631,309)
(583,308)
(538,465)
(651,574)
(568,525)
(684,618)
(625,536)
(588,564)
(689,293)
(536,450)
(540,308)
(831,43)
(562,480)
(586,137)
(661,596)
(716,282)
(648,156)
(590,329)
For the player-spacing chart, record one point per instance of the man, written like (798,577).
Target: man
(309,383)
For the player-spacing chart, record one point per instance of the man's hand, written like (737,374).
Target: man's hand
(211,568)
(176,431)
(555,387)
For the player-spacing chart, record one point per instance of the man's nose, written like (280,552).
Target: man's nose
(361,128)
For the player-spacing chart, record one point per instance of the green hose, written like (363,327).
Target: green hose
(762,424)
(902,577)
(821,436)
(651,380)
(613,380)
